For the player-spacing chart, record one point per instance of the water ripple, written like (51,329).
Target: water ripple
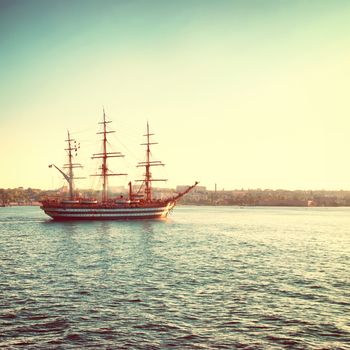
(208,278)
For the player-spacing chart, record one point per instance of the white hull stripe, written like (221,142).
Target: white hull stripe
(104,212)
(98,210)
(105,215)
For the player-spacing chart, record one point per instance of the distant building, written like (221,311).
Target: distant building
(196,189)
(117,189)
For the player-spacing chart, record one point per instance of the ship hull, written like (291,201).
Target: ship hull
(79,212)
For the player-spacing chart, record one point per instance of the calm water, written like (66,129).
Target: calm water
(207,278)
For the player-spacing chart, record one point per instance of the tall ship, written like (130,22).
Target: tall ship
(138,204)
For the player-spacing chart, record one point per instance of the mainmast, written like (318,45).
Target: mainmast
(72,151)
(104,155)
(147,164)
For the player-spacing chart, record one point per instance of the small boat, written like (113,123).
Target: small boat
(138,205)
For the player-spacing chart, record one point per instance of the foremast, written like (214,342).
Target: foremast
(72,146)
(148,179)
(104,156)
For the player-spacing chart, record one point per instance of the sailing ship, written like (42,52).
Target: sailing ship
(138,205)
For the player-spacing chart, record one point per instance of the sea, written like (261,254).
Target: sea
(205,278)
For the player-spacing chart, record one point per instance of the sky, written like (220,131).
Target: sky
(239,93)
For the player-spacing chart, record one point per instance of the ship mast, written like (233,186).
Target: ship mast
(147,164)
(104,155)
(70,165)
(72,147)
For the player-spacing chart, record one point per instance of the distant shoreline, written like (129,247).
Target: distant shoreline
(199,196)
(212,205)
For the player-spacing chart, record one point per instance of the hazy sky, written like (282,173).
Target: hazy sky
(250,93)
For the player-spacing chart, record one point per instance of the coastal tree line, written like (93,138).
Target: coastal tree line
(242,197)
